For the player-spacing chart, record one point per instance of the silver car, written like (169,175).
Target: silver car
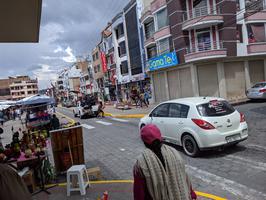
(258,91)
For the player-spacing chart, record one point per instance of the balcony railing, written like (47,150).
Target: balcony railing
(200,12)
(205,46)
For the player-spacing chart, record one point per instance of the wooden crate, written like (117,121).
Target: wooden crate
(61,140)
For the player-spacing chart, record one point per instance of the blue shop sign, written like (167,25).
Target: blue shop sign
(163,61)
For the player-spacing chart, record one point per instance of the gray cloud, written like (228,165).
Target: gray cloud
(71,24)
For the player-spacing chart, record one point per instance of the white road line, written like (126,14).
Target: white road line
(241,191)
(104,123)
(119,120)
(257,147)
(248,162)
(87,126)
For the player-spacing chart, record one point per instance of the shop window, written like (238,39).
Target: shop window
(151,51)
(124,67)
(256,32)
(149,29)
(162,18)
(164,46)
(239,33)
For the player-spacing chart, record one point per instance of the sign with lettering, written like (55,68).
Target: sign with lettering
(163,61)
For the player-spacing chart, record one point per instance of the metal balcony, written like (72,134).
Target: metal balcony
(201,17)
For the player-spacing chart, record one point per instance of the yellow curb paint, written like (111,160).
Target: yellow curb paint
(72,122)
(210,196)
(125,116)
(202,194)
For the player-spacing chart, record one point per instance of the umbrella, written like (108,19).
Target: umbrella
(36,99)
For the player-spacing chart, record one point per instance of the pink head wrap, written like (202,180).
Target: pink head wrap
(149,133)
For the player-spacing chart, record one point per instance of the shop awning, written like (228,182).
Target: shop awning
(20,20)
(36,99)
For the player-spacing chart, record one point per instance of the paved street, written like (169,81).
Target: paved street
(235,173)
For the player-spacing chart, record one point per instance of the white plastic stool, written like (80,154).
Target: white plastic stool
(80,172)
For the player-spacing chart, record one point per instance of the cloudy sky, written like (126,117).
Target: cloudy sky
(68,29)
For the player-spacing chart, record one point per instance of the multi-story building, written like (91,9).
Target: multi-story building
(128,50)
(107,50)
(25,88)
(86,79)
(5,93)
(98,73)
(217,47)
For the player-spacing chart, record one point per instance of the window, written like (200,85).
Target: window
(95,69)
(178,110)
(119,31)
(149,29)
(254,5)
(215,108)
(204,39)
(124,67)
(162,18)
(29,92)
(161,111)
(256,32)
(239,35)
(99,68)
(151,51)
(164,46)
(122,49)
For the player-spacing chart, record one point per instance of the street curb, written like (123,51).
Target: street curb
(71,121)
(201,194)
(137,116)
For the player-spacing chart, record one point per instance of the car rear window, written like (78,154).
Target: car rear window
(215,108)
(259,85)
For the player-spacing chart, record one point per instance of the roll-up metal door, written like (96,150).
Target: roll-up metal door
(256,71)
(185,82)
(208,80)
(235,80)
(159,87)
(173,84)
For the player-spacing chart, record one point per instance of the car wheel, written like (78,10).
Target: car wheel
(75,115)
(190,146)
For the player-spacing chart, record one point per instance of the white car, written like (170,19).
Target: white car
(198,123)
(83,111)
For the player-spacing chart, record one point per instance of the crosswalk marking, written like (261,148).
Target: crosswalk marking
(119,120)
(87,126)
(104,123)
(237,189)
(250,163)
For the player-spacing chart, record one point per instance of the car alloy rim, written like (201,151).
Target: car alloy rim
(189,146)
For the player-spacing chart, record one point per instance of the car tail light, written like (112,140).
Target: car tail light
(242,117)
(262,90)
(203,124)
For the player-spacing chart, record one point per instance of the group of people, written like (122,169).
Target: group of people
(140,98)
(10,114)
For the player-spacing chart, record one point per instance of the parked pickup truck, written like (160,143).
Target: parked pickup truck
(85,110)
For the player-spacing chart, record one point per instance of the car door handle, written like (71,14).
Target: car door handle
(161,122)
(180,123)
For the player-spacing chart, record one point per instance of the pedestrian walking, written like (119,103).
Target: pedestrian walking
(146,97)
(142,99)
(55,123)
(100,110)
(159,173)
